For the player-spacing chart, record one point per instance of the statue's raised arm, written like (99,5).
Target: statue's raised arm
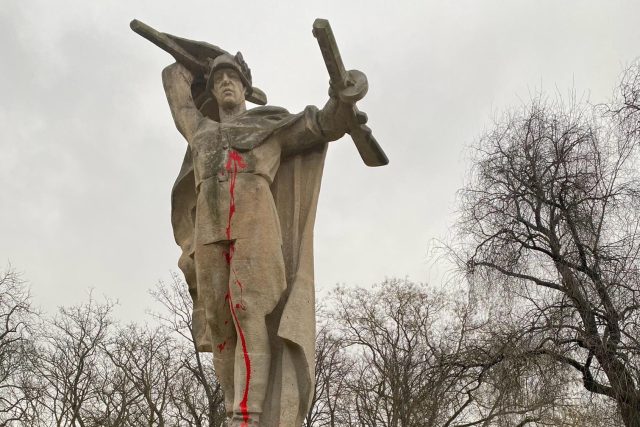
(243,211)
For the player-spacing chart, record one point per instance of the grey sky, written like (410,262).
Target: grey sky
(89,151)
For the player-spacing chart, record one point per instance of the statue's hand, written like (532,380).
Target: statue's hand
(334,118)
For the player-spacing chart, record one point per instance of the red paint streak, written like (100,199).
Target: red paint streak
(221,346)
(247,365)
(235,162)
(241,304)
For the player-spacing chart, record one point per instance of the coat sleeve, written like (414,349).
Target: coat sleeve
(304,132)
(177,80)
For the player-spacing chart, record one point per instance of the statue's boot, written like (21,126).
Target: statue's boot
(238,421)
(258,382)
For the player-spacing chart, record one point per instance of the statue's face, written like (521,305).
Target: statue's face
(228,88)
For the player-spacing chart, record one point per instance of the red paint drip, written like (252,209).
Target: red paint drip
(235,163)
(247,364)
(241,304)
(221,346)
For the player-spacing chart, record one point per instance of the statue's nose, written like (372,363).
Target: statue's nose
(226,77)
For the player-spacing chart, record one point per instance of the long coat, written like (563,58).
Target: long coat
(295,190)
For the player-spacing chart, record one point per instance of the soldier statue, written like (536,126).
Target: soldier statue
(243,209)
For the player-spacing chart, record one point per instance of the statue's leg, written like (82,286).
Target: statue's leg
(201,332)
(256,283)
(212,272)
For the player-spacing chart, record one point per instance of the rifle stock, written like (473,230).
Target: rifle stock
(194,60)
(164,42)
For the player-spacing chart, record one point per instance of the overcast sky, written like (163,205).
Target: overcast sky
(89,151)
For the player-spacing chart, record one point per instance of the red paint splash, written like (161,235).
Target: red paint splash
(221,346)
(235,162)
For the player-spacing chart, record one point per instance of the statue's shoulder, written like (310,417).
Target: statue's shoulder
(269,112)
(268,117)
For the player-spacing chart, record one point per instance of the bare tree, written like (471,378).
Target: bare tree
(145,357)
(197,395)
(18,390)
(79,368)
(625,108)
(399,354)
(421,356)
(551,217)
(330,405)
(389,331)
(118,401)
(68,363)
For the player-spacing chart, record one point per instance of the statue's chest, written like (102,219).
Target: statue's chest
(222,149)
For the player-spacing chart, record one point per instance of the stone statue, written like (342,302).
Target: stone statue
(243,209)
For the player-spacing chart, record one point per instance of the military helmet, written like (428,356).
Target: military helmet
(235,63)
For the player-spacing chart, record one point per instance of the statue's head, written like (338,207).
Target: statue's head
(229,80)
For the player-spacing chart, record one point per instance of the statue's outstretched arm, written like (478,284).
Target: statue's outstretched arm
(177,86)
(313,127)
